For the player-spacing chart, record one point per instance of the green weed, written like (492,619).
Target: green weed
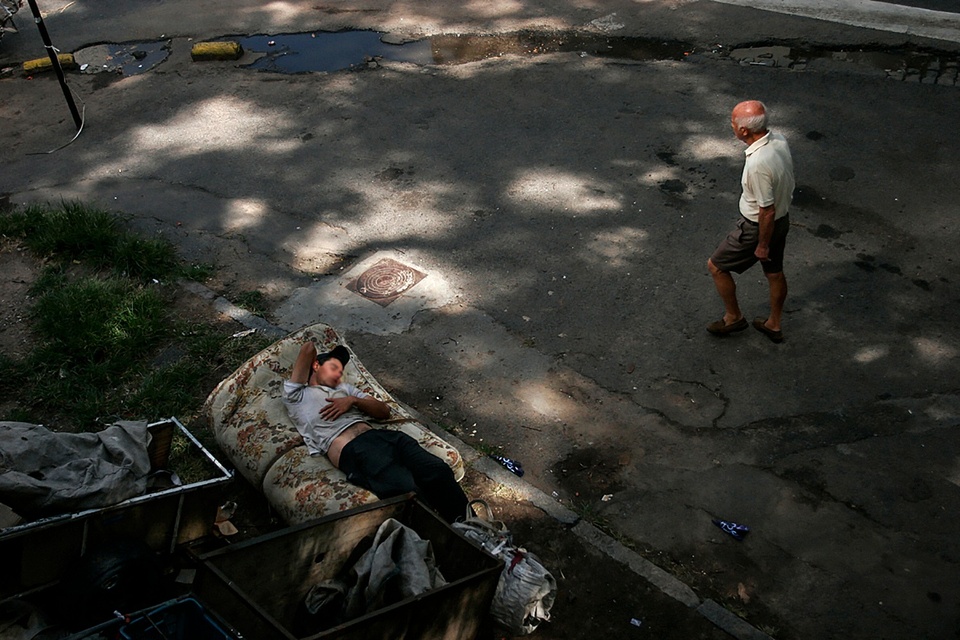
(99,321)
(252,301)
(169,390)
(198,272)
(77,232)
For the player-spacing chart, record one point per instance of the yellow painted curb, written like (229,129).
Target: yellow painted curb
(216,51)
(44,64)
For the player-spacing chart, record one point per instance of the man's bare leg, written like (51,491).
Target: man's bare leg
(727,288)
(778,296)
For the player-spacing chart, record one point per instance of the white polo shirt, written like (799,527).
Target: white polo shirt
(767,177)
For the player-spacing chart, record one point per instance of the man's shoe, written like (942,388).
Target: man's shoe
(760,325)
(719,328)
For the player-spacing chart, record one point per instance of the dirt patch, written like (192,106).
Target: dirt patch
(20,270)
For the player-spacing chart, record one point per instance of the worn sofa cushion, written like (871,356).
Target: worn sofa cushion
(251,425)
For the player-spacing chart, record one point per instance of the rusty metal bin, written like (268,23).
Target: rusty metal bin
(36,554)
(259,585)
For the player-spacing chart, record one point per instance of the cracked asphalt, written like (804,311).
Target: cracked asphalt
(568,204)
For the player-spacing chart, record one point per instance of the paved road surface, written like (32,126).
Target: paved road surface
(562,207)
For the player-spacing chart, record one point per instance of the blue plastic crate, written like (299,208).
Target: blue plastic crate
(184,619)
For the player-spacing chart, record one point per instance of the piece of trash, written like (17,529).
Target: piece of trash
(226,510)
(636,622)
(738,531)
(226,528)
(186,576)
(511,465)
(243,334)
(607,497)
(222,522)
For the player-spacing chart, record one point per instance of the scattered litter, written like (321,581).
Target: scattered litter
(243,334)
(511,465)
(222,523)
(636,622)
(186,576)
(738,531)
(607,497)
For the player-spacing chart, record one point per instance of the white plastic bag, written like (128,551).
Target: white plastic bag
(527,590)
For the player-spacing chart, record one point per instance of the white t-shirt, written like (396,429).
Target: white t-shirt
(304,404)
(767,177)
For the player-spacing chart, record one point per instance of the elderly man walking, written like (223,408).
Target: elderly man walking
(761,232)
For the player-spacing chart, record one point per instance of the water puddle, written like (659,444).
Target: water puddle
(326,51)
(929,68)
(127,59)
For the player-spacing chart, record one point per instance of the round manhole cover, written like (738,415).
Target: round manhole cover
(385,281)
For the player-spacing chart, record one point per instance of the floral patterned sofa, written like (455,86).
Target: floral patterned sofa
(251,425)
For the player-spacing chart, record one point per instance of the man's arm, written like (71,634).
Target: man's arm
(336,407)
(373,408)
(304,364)
(766,218)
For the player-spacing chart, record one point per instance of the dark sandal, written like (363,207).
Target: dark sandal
(718,328)
(775,336)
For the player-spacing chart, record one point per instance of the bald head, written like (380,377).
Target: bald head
(750,115)
(749,121)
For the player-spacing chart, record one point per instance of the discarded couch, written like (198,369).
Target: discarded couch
(251,425)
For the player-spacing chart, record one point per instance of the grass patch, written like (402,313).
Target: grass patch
(94,320)
(252,301)
(110,344)
(96,237)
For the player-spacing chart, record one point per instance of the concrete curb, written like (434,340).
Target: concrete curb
(667,583)
(227,308)
(638,564)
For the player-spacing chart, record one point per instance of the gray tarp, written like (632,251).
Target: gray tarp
(399,564)
(44,473)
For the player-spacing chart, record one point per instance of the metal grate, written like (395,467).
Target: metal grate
(385,281)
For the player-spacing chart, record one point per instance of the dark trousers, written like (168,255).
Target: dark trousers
(390,463)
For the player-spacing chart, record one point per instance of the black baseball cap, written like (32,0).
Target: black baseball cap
(339,352)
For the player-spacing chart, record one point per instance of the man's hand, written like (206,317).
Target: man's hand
(765,219)
(336,407)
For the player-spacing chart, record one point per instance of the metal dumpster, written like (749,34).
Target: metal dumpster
(258,585)
(36,555)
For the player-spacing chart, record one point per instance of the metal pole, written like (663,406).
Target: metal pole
(56,63)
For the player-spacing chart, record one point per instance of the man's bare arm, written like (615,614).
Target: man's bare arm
(336,407)
(304,364)
(766,219)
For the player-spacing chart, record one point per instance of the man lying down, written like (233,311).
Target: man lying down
(330,415)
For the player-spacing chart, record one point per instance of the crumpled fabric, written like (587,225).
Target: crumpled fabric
(44,473)
(21,620)
(399,564)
